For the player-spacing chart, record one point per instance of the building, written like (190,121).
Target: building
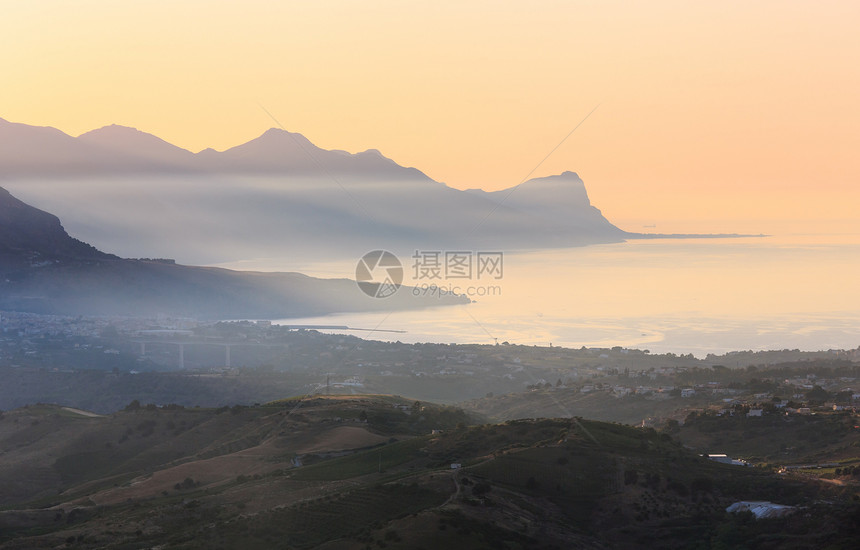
(761,508)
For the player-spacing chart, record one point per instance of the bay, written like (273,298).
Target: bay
(683,296)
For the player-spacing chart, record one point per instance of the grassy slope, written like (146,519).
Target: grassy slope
(548,403)
(528,483)
(776,438)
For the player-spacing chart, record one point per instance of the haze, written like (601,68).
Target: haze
(715,116)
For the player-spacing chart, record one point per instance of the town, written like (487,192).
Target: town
(619,384)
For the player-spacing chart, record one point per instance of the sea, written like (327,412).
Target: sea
(695,296)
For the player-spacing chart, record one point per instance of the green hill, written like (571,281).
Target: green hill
(346,472)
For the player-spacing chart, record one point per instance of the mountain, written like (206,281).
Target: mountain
(138,149)
(27,151)
(31,151)
(277,195)
(44,270)
(281,152)
(30,236)
(554,195)
(560,200)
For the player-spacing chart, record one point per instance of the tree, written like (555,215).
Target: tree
(673,426)
(817,395)
(631,477)
(481,488)
(843,396)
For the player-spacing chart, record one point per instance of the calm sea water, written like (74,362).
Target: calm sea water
(694,296)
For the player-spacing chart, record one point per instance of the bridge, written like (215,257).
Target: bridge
(182,343)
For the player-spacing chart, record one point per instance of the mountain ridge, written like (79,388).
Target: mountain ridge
(35,151)
(29,233)
(127,140)
(280,194)
(45,270)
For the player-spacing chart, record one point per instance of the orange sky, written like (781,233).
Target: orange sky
(714,116)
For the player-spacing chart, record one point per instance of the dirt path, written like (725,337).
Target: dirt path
(341,438)
(456,492)
(454,477)
(83,413)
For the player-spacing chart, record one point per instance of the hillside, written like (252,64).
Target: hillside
(775,438)
(44,270)
(152,288)
(561,200)
(50,449)
(352,471)
(563,401)
(30,236)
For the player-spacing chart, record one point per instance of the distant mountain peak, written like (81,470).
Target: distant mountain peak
(114,130)
(566,176)
(27,151)
(123,148)
(110,127)
(279,131)
(560,197)
(111,133)
(279,134)
(376,156)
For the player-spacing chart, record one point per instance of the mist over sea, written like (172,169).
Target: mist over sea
(684,296)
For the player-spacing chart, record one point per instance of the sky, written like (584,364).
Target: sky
(710,115)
